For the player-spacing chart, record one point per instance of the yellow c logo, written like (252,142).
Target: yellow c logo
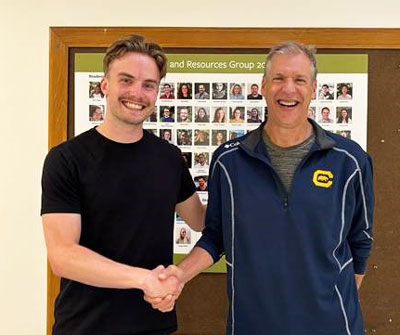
(323,178)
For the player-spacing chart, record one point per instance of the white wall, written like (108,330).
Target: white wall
(24,27)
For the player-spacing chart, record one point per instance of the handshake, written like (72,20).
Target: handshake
(162,287)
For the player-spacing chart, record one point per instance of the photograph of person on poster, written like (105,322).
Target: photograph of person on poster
(253,115)
(218,137)
(220,91)
(254,93)
(202,90)
(167,91)
(236,92)
(202,115)
(237,115)
(219,115)
(184,91)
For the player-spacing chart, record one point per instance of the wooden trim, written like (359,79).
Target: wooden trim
(336,38)
(58,89)
(58,111)
(64,38)
(53,287)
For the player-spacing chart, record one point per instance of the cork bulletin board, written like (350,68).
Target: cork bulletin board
(202,307)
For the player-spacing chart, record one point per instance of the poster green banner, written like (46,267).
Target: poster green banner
(223,63)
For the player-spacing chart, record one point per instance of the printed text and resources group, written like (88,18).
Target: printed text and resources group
(189,64)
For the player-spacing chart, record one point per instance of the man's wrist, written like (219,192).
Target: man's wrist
(141,278)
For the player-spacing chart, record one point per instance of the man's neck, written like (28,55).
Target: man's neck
(121,133)
(288,137)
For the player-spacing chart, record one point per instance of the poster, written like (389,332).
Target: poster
(207,99)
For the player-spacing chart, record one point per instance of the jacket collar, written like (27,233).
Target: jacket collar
(322,139)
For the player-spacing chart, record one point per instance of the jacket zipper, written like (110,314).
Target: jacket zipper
(282,190)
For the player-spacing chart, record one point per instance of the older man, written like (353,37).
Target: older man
(107,220)
(290,206)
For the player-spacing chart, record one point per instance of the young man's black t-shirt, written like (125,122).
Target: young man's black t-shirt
(126,196)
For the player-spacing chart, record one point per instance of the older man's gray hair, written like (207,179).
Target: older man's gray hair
(293,48)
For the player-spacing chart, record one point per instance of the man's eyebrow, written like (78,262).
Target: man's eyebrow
(124,74)
(153,81)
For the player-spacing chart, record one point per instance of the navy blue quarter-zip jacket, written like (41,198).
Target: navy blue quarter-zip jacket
(291,258)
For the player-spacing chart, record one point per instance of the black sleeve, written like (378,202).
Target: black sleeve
(60,187)
(187,183)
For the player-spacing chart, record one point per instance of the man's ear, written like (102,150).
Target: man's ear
(104,85)
(315,87)
(263,84)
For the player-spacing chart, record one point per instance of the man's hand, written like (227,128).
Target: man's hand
(155,287)
(165,303)
(197,261)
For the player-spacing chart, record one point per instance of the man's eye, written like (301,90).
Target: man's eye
(150,86)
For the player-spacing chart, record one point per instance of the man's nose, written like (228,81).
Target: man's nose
(289,86)
(136,90)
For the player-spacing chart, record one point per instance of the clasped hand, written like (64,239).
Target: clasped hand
(163,286)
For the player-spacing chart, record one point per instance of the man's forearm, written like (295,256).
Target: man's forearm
(86,266)
(197,261)
(71,260)
(193,212)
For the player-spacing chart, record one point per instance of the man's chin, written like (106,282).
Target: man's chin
(134,121)
(138,119)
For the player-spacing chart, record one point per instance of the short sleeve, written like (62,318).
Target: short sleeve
(60,186)
(187,184)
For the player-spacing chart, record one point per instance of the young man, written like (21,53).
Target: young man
(107,220)
(290,206)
